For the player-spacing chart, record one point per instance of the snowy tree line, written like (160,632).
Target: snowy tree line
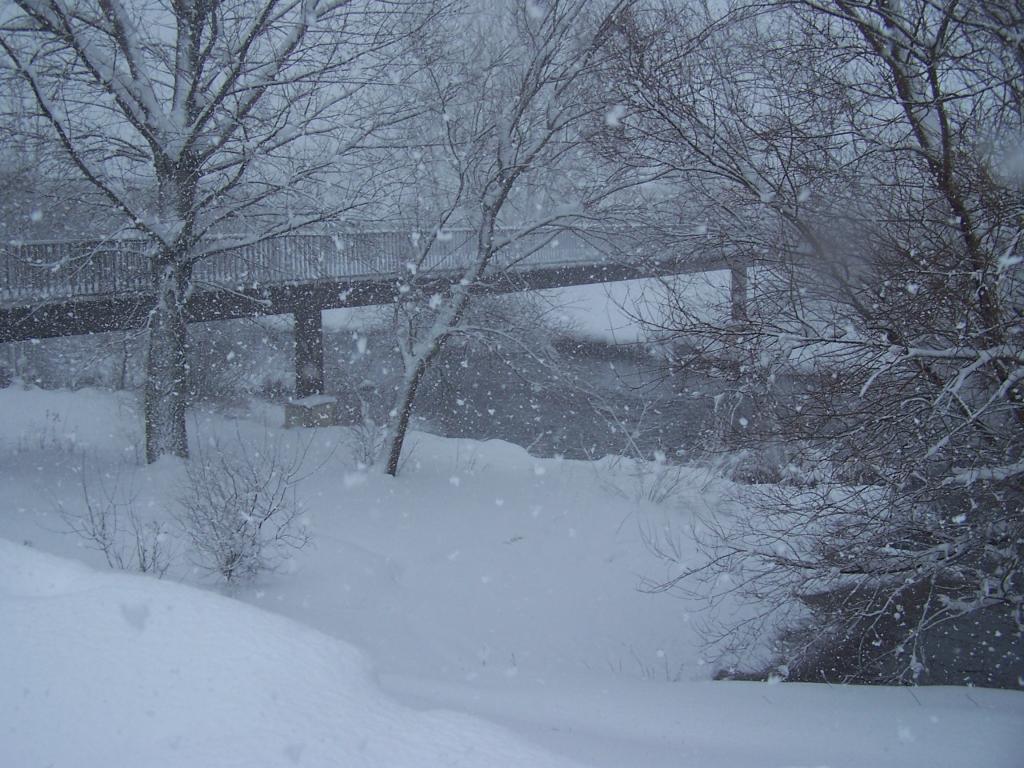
(867,157)
(864,156)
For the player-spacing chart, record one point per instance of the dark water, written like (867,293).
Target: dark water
(569,397)
(574,399)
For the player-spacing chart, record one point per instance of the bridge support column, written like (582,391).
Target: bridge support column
(309,352)
(738,293)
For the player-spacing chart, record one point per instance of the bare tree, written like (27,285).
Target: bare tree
(195,118)
(497,170)
(863,159)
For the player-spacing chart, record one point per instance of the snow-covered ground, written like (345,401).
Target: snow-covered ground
(632,310)
(480,585)
(104,669)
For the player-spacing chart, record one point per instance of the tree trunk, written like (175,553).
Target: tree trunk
(402,414)
(738,294)
(403,410)
(166,366)
(122,373)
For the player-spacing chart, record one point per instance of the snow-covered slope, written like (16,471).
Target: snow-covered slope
(104,670)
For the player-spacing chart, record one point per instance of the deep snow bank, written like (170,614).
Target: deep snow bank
(108,669)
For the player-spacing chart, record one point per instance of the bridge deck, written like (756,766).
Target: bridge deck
(68,288)
(56,271)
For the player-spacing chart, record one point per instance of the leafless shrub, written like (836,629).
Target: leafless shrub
(367,442)
(240,509)
(653,476)
(370,434)
(111,524)
(52,436)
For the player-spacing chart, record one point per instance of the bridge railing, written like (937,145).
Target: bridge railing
(49,271)
(54,270)
(371,255)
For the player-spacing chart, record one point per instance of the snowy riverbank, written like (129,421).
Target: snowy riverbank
(482,581)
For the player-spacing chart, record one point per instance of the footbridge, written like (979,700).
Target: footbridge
(52,289)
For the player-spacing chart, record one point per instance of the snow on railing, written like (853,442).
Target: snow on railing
(80,269)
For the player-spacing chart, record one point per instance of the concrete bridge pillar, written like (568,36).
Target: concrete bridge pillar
(738,293)
(309,352)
